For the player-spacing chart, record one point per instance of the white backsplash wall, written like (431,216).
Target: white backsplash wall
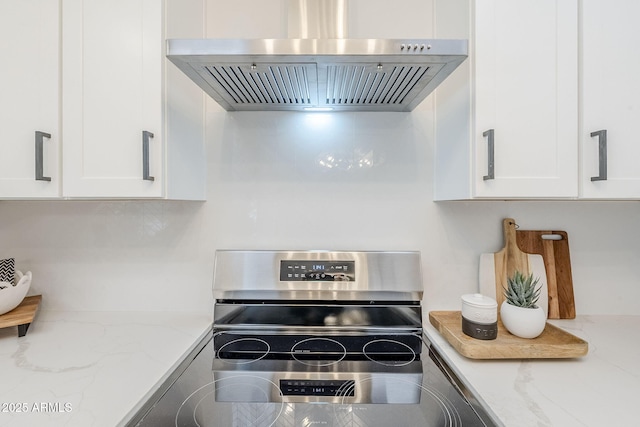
(306,181)
(270,187)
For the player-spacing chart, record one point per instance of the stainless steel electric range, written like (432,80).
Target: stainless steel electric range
(305,338)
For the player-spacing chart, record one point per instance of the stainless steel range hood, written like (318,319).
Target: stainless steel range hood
(315,72)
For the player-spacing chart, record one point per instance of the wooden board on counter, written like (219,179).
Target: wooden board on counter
(554,248)
(509,259)
(553,343)
(22,315)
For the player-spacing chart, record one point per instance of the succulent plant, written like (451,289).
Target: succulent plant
(521,290)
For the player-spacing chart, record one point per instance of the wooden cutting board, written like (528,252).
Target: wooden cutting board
(553,343)
(554,248)
(487,277)
(509,259)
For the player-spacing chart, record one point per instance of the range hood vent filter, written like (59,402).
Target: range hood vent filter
(244,86)
(288,86)
(366,85)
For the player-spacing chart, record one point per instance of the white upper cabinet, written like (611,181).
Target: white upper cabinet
(29,99)
(507,118)
(133,124)
(611,99)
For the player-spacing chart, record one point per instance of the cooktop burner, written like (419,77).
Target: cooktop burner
(249,405)
(389,352)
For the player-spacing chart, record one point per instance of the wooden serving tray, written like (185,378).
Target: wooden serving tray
(553,343)
(22,315)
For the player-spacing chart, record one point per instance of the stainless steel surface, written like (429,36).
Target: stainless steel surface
(313,19)
(39,156)
(298,74)
(146,135)
(490,135)
(378,276)
(602,155)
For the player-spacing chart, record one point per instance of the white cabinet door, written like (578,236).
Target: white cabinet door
(611,99)
(29,98)
(112,58)
(526,91)
(515,99)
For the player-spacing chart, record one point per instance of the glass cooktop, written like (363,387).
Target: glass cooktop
(212,392)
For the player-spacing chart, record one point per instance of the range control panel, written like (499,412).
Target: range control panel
(320,271)
(317,388)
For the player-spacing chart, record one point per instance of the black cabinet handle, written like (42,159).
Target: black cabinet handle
(602,155)
(40,136)
(146,135)
(489,134)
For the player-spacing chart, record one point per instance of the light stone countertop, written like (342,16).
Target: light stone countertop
(599,389)
(97,368)
(90,368)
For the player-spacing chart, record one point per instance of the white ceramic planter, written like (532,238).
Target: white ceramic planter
(523,322)
(11,296)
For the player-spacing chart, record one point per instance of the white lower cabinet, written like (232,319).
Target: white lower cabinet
(29,99)
(133,124)
(506,119)
(610,140)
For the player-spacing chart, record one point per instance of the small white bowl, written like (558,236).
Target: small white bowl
(11,296)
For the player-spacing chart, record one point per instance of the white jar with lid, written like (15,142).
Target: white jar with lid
(479,316)
(479,308)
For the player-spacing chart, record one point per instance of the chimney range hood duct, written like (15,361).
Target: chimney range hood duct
(317,68)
